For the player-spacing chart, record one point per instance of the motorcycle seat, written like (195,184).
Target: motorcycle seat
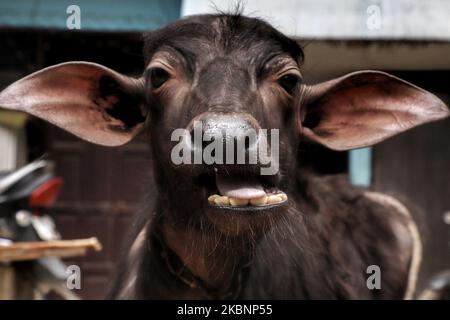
(10,179)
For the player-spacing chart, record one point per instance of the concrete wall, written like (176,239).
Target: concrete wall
(344,19)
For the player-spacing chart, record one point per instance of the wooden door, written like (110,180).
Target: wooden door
(103,189)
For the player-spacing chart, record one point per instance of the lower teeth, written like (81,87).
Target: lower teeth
(270,199)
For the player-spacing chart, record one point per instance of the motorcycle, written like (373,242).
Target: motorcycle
(30,245)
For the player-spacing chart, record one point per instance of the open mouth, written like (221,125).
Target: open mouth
(244,192)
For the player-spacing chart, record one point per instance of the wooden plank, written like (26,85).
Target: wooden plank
(20,251)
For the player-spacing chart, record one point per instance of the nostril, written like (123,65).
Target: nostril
(196,134)
(201,135)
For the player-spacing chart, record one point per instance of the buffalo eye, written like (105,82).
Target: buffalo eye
(158,77)
(289,82)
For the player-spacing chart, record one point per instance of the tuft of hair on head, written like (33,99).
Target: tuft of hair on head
(236,9)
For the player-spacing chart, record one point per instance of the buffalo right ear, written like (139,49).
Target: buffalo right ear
(89,100)
(364,108)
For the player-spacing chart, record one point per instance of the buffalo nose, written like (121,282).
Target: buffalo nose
(236,129)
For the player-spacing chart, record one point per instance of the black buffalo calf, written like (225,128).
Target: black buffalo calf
(264,227)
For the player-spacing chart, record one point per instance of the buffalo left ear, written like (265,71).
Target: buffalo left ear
(89,100)
(366,107)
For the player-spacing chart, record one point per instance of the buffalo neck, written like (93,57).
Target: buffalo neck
(216,262)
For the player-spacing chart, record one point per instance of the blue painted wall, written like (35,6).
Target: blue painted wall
(360,167)
(114,15)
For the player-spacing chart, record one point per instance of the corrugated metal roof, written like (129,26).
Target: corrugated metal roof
(115,15)
(345,19)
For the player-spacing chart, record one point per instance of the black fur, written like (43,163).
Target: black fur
(322,242)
